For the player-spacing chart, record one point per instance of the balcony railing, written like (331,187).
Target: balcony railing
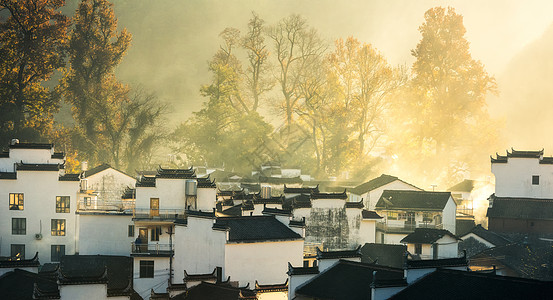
(406,227)
(94,205)
(159,214)
(151,249)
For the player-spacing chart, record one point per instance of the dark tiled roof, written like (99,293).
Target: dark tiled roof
(200,277)
(522,154)
(257,199)
(12,263)
(201,214)
(20,284)
(342,195)
(4,154)
(31,146)
(463,226)
(426,236)
(8,175)
(206,182)
(373,184)
(489,236)
(266,288)
(533,260)
(146,181)
(38,167)
(256,228)
(417,200)
(58,155)
(280,180)
(300,201)
(129,193)
(302,270)
(210,291)
(520,208)
(437,263)
(233,211)
(297,223)
(70,177)
(454,284)
(302,190)
(96,170)
(176,173)
(349,280)
(355,204)
(369,214)
(464,186)
(276,211)
(384,254)
(80,268)
(339,254)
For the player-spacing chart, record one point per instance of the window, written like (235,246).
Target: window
(156,232)
(131,230)
(87,201)
(418,248)
(535,179)
(305,263)
(154,207)
(62,204)
(57,251)
(16,201)
(392,215)
(58,226)
(19,226)
(18,250)
(146,269)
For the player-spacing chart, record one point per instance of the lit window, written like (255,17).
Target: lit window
(19,226)
(146,269)
(57,251)
(131,230)
(58,227)
(18,251)
(535,179)
(87,201)
(16,201)
(62,204)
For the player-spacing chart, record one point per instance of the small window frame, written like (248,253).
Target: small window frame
(146,269)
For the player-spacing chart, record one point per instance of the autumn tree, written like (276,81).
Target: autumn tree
(295,45)
(31,42)
(113,124)
(257,77)
(445,109)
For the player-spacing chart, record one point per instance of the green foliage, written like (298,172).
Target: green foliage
(31,42)
(113,125)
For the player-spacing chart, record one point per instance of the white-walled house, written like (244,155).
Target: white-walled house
(107,184)
(430,243)
(248,249)
(403,211)
(161,201)
(523,198)
(38,214)
(371,190)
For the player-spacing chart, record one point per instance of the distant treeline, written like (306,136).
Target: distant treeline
(278,92)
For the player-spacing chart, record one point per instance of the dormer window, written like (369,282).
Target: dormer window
(535,179)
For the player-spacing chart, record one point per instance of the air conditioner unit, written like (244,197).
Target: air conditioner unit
(38,236)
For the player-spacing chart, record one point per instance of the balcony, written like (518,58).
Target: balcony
(96,205)
(151,249)
(406,227)
(163,215)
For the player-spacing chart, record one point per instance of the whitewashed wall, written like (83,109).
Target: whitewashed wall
(266,262)
(110,184)
(104,234)
(198,248)
(514,178)
(40,189)
(160,281)
(367,231)
(84,292)
(448,216)
(30,156)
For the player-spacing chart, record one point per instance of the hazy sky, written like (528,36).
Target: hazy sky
(174,39)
